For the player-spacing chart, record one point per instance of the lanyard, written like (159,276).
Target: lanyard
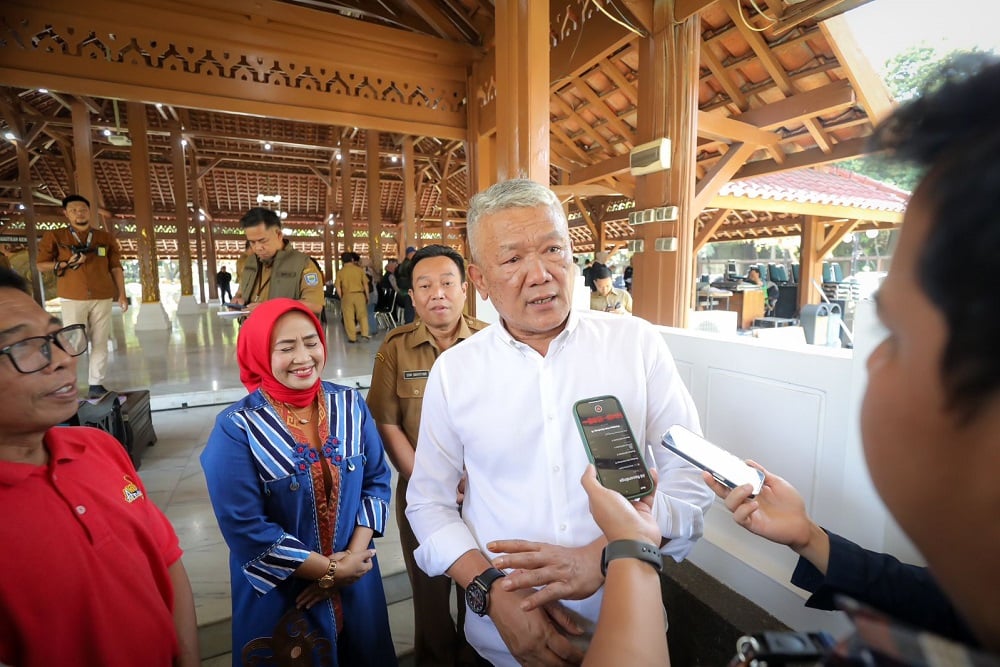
(90,235)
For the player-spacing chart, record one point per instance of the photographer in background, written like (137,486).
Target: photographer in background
(88,268)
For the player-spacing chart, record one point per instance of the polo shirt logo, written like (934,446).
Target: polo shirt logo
(131,491)
(311,279)
(415,375)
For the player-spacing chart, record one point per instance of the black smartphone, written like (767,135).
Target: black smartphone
(611,447)
(727,468)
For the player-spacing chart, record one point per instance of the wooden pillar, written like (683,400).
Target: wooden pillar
(522,104)
(149,274)
(28,214)
(201,204)
(810,259)
(407,237)
(328,236)
(181,208)
(83,151)
(374,198)
(668,107)
(199,250)
(347,196)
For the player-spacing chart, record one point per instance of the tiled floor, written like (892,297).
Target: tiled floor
(193,364)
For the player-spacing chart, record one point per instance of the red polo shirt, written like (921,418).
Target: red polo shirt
(84,558)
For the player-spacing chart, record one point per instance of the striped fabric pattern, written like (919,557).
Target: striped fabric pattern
(277,564)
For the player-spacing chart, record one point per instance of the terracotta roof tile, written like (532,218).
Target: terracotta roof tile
(821,185)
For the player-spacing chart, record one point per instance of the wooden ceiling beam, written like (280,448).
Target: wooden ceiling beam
(723,128)
(595,172)
(835,235)
(685,8)
(720,174)
(724,78)
(875,98)
(600,109)
(808,158)
(826,99)
(708,230)
(627,88)
(436,19)
(584,125)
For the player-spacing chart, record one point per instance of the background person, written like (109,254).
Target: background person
(300,485)
(19,261)
(606,297)
(88,268)
(92,569)
(275,269)
(352,286)
(500,406)
(395,398)
(222,280)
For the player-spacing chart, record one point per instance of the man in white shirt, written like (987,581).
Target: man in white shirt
(500,406)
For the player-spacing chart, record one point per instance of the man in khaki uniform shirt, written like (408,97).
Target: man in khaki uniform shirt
(88,268)
(352,287)
(275,269)
(395,400)
(606,296)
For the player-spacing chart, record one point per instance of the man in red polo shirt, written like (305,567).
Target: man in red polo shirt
(92,569)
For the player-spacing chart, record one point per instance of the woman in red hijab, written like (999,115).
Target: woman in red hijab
(300,485)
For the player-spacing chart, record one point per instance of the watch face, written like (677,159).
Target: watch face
(475,598)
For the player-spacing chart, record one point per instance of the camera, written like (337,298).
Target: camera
(81,249)
(772,649)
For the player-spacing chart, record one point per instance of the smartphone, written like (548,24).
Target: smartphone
(727,468)
(611,447)
(235,306)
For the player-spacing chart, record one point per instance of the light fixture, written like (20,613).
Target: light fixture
(872,233)
(184,142)
(107,133)
(338,156)
(201,218)
(394,158)
(21,206)
(43,90)
(267,146)
(283,214)
(159,105)
(10,136)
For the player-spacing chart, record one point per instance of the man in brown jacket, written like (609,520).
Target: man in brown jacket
(88,268)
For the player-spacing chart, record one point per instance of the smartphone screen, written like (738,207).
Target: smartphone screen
(611,446)
(725,467)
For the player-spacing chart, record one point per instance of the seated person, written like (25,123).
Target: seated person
(770,289)
(605,296)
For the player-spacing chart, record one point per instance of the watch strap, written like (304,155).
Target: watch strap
(644,551)
(487,578)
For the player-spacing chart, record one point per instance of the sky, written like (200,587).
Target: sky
(884,28)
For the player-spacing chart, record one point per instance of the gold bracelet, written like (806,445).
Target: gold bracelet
(328,579)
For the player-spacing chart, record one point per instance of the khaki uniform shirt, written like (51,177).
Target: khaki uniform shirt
(93,280)
(310,287)
(351,279)
(611,302)
(402,365)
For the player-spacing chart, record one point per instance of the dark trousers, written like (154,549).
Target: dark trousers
(437,642)
(225,296)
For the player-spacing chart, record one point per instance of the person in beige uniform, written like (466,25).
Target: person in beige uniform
(352,286)
(275,269)
(395,399)
(88,268)
(606,296)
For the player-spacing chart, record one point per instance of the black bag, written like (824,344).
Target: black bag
(105,414)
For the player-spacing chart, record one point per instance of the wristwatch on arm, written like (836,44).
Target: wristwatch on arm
(644,551)
(477,595)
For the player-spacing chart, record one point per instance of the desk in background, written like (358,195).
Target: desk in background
(748,306)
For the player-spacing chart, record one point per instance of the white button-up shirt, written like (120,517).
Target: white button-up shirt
(504,412)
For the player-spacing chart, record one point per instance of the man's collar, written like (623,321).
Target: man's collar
(12,474)
(572,320)
(422,334)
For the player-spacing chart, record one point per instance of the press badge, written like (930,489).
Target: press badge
(102,251)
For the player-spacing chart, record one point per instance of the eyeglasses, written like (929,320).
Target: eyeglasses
(33,354)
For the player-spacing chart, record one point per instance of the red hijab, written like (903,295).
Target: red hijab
(253,351)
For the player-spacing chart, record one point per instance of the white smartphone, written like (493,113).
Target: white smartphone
(727,468)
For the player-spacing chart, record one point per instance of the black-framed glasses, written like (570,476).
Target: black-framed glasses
(33,354)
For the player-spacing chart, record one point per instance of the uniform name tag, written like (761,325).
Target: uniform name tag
(415,375)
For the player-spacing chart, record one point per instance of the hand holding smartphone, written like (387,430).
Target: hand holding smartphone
(723,466)
(611,447)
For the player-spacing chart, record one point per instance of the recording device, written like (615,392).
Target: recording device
(728,469)
(611,447)
(772,649)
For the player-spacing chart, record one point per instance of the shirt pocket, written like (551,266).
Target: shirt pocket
(411,384)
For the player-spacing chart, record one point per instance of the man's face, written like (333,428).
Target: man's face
(523,266)
(33,402)
(265,242)
(438,292)
(909,436)
(391,267)
(603,286)
(78,214)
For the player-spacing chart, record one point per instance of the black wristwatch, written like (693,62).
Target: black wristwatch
(644,551)
(477,595)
